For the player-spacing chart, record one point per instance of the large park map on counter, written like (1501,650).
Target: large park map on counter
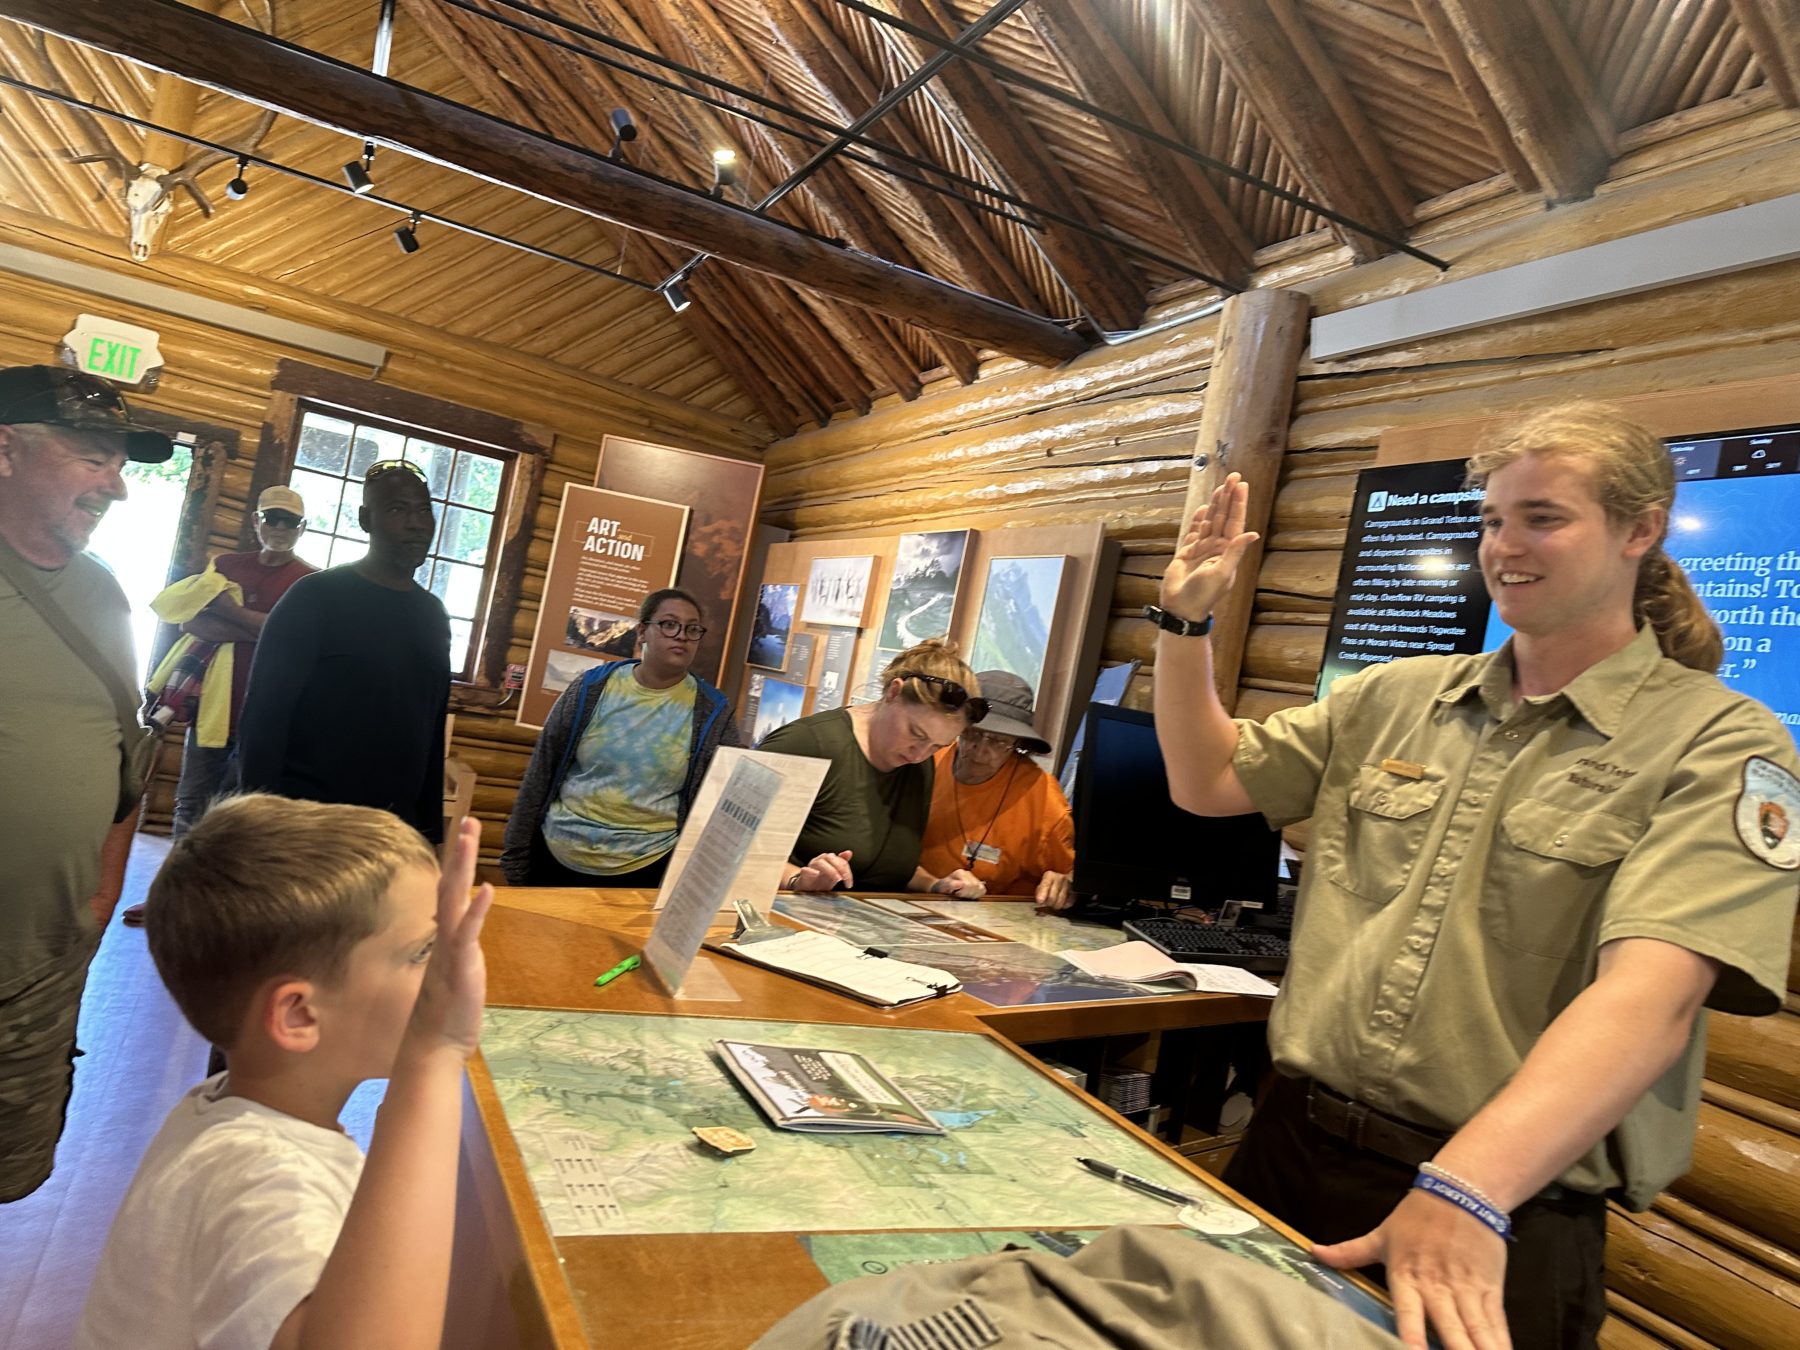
(603,1106)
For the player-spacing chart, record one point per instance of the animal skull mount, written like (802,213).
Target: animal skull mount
(148,201)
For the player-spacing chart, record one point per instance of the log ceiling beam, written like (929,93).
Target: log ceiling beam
(480,53)
(835,200)
(1481,103)
(1093,60)
(846,89)
(1526,60)
(1303,102)
(170,37)
(1772,28)
(973,101)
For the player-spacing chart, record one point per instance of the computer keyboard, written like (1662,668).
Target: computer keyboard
(1209,945)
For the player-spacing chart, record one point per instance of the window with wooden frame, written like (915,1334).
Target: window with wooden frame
(484,474)
(467,482)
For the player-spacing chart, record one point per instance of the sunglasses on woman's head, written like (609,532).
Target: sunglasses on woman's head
(951,694)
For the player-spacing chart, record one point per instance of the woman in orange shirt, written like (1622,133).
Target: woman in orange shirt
(994,812)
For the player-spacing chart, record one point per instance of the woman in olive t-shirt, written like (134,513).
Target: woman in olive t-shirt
(868,820)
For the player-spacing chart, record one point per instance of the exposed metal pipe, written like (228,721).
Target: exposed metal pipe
(1069,100)
(877,110)
(1102,232)
(376,198)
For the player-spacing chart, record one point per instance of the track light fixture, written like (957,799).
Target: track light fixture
(724,171)
(407,236)
(237,189)
(676,296)
(623,129)
(356,172)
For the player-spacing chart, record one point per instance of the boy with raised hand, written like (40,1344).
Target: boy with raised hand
(321,947)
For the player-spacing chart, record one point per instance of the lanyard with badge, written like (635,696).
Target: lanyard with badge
(979,850)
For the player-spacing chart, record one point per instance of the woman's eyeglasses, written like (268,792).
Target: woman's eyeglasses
(693,632)
(382,466)
(949,693)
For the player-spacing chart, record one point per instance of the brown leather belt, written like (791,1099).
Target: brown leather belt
(1362,1126)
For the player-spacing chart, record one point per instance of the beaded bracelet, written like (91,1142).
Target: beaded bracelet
(1456,1195)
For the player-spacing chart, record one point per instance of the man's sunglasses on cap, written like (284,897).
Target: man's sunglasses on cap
(57,396)
(382,466)
(951,694)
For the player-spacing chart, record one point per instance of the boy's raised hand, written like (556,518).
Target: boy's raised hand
(1206,561)
(448,1013)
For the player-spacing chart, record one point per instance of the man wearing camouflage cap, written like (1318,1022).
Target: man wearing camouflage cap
(64,438)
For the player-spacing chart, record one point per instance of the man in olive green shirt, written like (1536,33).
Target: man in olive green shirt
(64,437)
(1528,872)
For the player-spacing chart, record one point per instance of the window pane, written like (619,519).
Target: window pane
(324,443)
(476,481)
(459,587)
(461,631)
(347,550)
(346,522)
(374,444)
(463,535)
(321,497)
(435,460)
(314,548)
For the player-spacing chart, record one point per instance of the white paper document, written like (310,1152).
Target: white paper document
(835,964)
(1140,963)
(724,836)
(765,864)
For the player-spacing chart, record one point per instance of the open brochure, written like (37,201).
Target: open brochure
(1140,963)
(807,1089)
(835,964)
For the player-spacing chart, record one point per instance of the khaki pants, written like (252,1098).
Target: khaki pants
(37,1069)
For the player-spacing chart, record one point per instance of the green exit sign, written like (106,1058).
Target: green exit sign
(123,353)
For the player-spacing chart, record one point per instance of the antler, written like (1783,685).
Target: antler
(185,174)
(101,150)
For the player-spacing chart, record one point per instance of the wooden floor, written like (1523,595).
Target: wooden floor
(140,1057)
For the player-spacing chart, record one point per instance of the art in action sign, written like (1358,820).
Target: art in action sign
(610,551)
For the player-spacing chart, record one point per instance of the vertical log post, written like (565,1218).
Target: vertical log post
(1243,429)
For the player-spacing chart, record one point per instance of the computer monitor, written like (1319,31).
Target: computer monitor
(1132,843)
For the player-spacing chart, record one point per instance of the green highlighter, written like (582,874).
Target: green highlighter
(629,963)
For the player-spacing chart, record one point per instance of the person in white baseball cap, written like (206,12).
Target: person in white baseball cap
(221,611)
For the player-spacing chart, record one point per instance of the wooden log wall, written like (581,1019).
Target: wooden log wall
(1107,437)
(224,379)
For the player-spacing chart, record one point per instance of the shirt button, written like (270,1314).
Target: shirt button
(1559,841)
(1512,735)
(1417,944)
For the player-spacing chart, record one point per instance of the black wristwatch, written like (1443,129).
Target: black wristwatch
(1180,627)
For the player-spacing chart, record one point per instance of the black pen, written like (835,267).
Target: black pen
(1136,1183)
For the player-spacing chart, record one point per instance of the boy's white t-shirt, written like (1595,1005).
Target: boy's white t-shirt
(224,1231)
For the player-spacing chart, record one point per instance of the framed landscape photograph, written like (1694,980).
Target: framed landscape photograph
(837,592)
(781,702)
(1018,613)
(774,621)
(922,593)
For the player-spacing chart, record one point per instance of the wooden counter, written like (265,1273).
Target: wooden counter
(515,1284)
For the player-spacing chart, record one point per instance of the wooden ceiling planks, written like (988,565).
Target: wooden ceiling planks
(1406,105)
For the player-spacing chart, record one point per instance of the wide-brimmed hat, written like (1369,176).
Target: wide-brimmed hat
(59,397)
(1010,709)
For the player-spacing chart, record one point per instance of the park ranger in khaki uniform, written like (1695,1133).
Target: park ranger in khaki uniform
(1528,873)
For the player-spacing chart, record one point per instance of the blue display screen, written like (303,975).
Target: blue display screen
(1735,530)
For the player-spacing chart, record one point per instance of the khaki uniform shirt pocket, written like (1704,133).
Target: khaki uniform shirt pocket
(1548,877)
(1386,818)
